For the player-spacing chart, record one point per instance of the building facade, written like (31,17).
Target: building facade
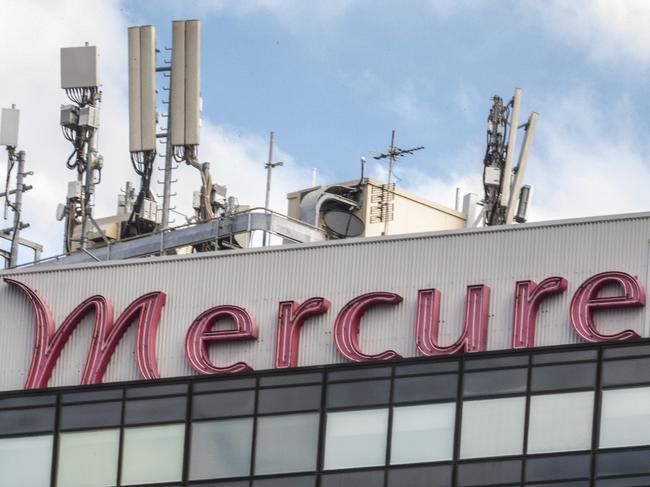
(489,357)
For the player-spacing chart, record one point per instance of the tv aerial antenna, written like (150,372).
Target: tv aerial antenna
(388,194)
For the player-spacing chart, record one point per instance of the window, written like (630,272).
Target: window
(423,433)
(221,448)
(560,422)
(492,427)
(625,417)
(88,458)
(356,438)
(152,454)
(286,443)
(25,461)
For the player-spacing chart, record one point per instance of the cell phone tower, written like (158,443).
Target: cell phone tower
(184,122)
(182,132)
(15,159)
(142,127)
(502,183)
(80,124)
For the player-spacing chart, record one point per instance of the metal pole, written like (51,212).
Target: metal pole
(167,182)
(391,161)
(506,176)
(521,166)
(18,203)
(269,168)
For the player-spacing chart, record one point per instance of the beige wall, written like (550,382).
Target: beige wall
(411,214)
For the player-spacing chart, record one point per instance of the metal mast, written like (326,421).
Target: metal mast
(9,138)
(387,195)
(269,166)
(80,123)
(503,183)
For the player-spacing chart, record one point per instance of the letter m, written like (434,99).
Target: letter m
(49,341)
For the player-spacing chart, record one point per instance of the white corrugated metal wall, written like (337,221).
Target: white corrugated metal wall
(258,279)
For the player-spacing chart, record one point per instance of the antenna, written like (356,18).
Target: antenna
(9,138)
(142,126)
(184,134)
(502,191)
(80,123)
(269,166)
(389,188)
(517,189)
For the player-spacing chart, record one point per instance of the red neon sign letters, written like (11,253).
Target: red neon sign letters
(147,309)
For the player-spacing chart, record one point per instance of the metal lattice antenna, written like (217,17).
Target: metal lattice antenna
(392,154)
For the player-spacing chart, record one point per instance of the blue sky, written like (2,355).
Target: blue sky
(332,79)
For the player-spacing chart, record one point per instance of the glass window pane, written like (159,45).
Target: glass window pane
(357,372)
(560,422)
(26,462)
(26,420)
(642,481)
(221,448)
(93,415)
(88,458)
(223,404)
(623,463)
(152,454)
(427,368)
(155,410)
(287,443)
(558,377)
(356,438)
(625,417)
(100,395)
(222,384)
(423,433)
(429,476)
(558,467)
(286,399)
(291,379)
(371,478)
(364,393)
(425,388)
(557,357)
(492,427)
(294,481)
(494,362)
(621,372)
(151,391)
(31,400)
(489,473)
(494,382)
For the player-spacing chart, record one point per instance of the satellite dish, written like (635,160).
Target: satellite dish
(343,224)
(60,212)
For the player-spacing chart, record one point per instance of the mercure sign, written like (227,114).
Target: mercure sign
(146,311)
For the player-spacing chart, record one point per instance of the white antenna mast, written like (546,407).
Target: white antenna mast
(9,138)
(80,123)
(184,121)
(142,126)
(502,191)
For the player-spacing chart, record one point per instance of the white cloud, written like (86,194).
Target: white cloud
(611,31)
(588,160)
(237,160)
(447,8)
(295,15)
(406,104)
